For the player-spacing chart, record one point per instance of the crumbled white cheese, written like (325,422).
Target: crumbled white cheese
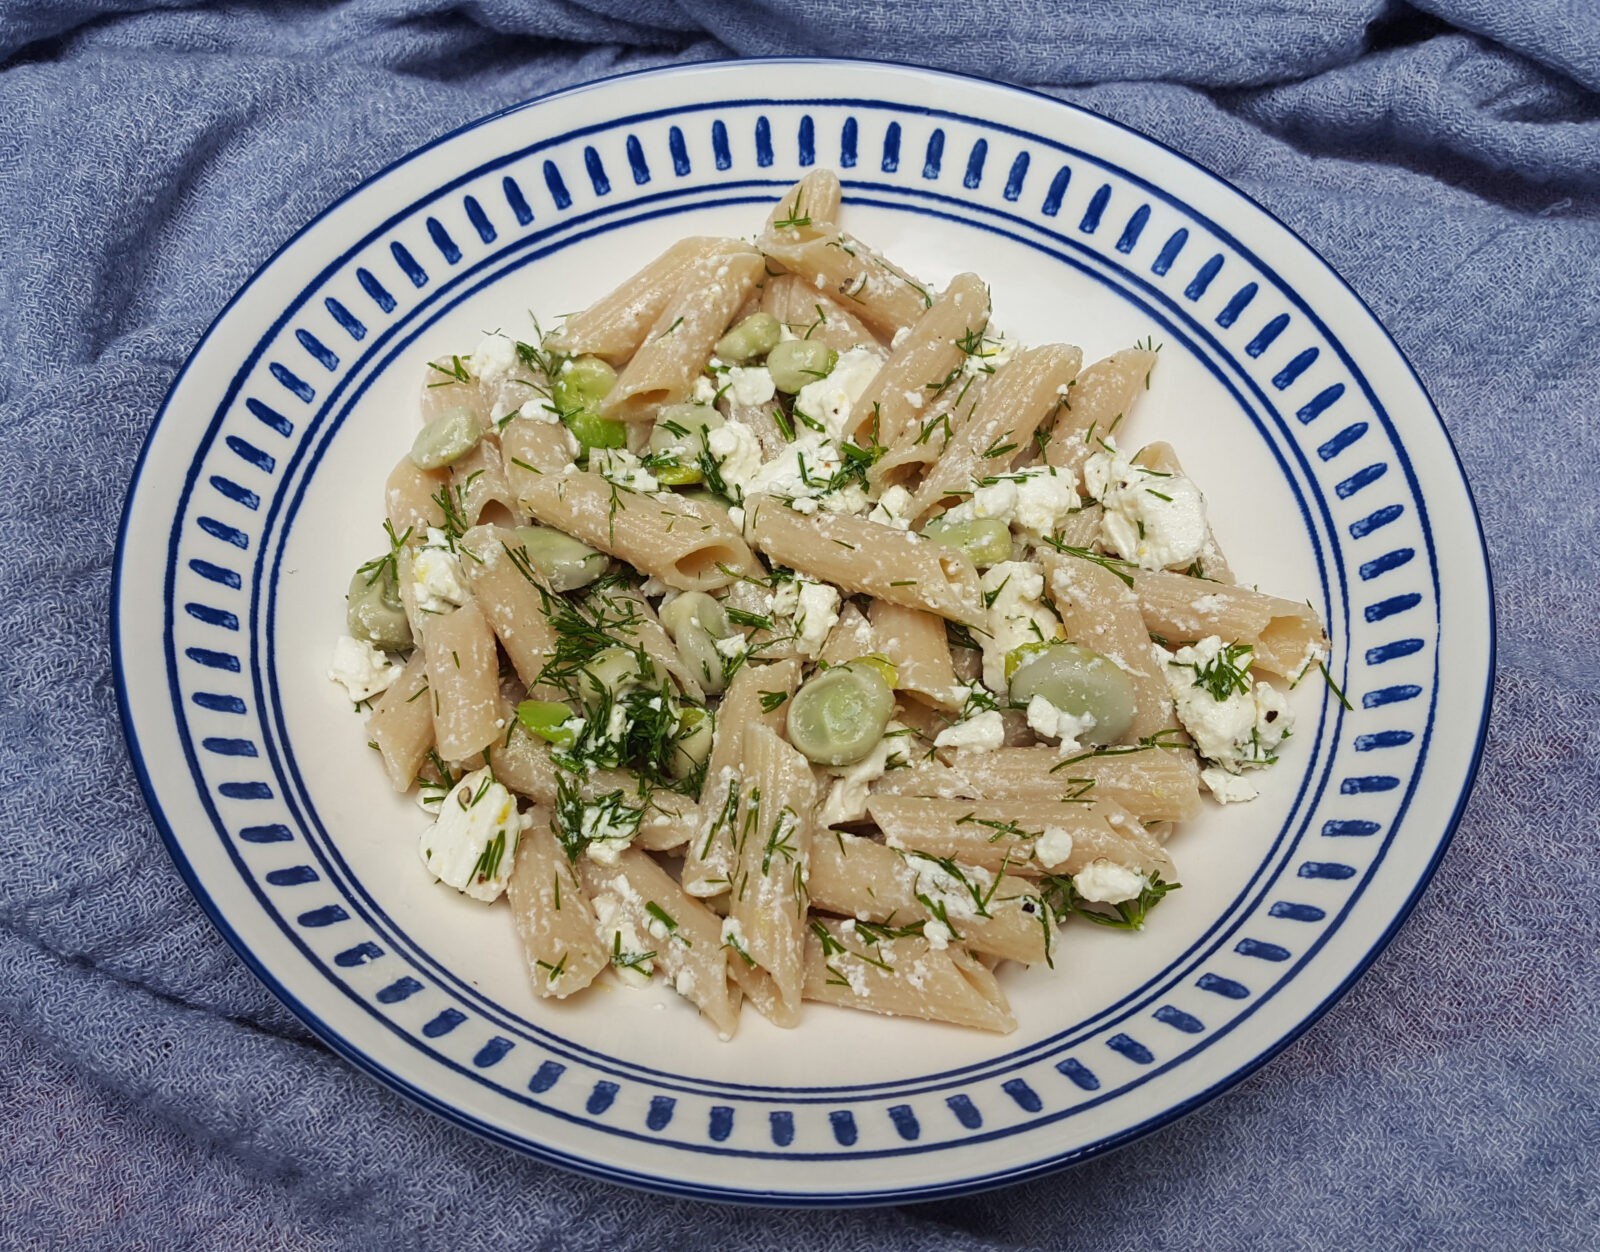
(733,935)
(1102,882)
(937,934)
(1037,500)
(1053,847)
(613,910)
(538,409)
(750,384)
(737,452)
(498,369)
(1154,520)
(847,798)
(618,465)
(705,391)
(1228,788)
(493,361)
(815,615)
(472,844)
(436,581)
(365,671)
(734,646)
(1016,616)
(828,401)
(1239,732)
(893,508)
(1049,722)
(802,472)
(983,732)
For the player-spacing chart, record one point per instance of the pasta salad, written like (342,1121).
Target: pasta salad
(778,628)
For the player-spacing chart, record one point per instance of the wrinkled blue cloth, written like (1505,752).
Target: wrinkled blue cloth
(1444,157)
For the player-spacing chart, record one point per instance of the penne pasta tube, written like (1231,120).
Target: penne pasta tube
(552,915)
(1154,784)
(814,314)
(1020,397)
(615,325)
(710,858)
(511,597)
(531,447)
(401,723)
(463,682)
(884,297)
(813,201)
(409,500)
(685,543)
(903,977)
(1097,403)
(772,845)
(917,646)
(648,924)
(867,557)
(1287,637)
(994,914)
(1026,837)
(478,485)
(926,366)
(679,341)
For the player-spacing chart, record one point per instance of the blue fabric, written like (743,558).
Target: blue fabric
(152,155)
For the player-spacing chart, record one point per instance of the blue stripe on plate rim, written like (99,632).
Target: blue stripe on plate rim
(671,161)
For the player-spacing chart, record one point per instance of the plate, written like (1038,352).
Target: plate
(1330,477)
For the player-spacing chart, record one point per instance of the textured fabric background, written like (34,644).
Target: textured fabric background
(1444,157)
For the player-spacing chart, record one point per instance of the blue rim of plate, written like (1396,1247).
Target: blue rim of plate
(595,170)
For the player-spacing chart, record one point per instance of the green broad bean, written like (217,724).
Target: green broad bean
(678,475)
(691,744)
(549,720)
(1081,682)
(374,612)
(446,439)
(565,562)
(986,540)
(581,383)
(839,716)
(594,431)
(796,362)
(754,337)
(610,673)
(696,621)
(576,391)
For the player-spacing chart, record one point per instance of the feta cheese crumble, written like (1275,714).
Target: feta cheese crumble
(983,732)
(847,797)
(828,401)
(618,465)
(737,452)
(1157,521)
(1241,731)
(1013,591)
(472,844)
(436,582)
(1103,882)
(363,670)
(750,384)
(1053,847)
(1049,722)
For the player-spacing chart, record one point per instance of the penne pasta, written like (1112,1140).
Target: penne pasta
(554,920)
(902,977)
(1027,837)
(1286,636)
(686,544)
(679,341)
(463,682)
(867,557)
(1096,405)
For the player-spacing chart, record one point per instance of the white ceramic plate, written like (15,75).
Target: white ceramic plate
(1329,475)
